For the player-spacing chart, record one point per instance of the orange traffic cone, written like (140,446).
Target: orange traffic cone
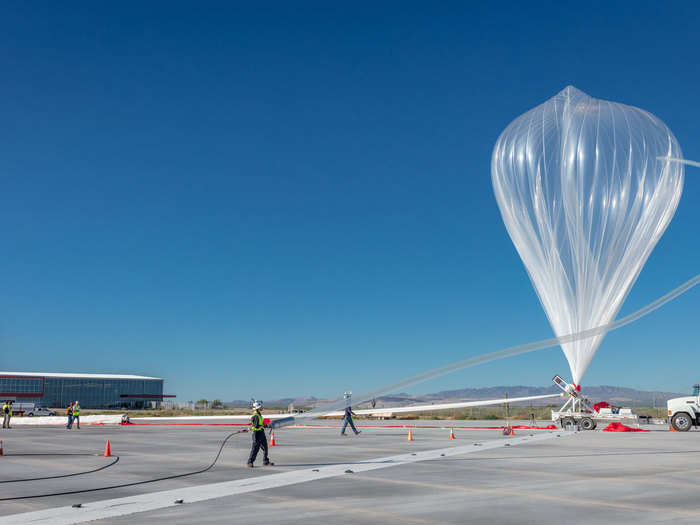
(1,454)
(410,435)
(511,431)
(452,433)
(272,439)
(108,450)
(670,428)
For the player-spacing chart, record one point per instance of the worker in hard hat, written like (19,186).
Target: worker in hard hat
(257,429)
(76,414)
(347,417)
(6,414)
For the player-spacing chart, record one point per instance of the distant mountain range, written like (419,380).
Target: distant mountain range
(613,394)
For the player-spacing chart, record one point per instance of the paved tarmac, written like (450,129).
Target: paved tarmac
(587,477)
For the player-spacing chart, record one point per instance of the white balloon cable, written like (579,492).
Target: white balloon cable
(493,356)
(681,161)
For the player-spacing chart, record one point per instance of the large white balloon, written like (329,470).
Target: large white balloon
(585,200)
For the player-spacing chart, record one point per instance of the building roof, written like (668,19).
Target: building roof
(79,376)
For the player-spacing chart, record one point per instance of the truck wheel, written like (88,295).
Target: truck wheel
(31,414)
(565,421)
(587,423)
(681,422)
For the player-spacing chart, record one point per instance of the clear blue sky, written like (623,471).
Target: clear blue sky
(298,201)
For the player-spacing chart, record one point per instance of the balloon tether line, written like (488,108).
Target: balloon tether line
(508,352)
(680,161)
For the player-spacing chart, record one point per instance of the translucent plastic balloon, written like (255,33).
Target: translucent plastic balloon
(585,200)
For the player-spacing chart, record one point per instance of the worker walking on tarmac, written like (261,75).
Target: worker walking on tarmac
(347,417)
(76,414)
(69,414)
(257,429)
(6,414)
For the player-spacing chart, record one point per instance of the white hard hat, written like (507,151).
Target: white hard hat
(347,395)
(257,405)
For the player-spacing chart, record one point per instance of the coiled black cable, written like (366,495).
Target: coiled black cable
(133,483)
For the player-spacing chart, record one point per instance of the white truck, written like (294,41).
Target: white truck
(684,412)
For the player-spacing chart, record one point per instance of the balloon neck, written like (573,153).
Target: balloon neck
(577,387)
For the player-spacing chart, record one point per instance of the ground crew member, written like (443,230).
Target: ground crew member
(6,414)
(347,417)
(76,414)
(257,429)
(69,414)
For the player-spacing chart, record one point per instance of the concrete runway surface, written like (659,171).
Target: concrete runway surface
(532,477)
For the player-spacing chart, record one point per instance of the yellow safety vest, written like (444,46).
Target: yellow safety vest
(260,425)
(76,411)
(9,409)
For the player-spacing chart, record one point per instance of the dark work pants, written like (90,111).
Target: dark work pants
(259,442)
(346,422)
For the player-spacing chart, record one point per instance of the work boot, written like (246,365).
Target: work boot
(268,464)
(358,432)
(250,465)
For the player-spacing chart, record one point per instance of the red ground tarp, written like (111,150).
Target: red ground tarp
(619,427)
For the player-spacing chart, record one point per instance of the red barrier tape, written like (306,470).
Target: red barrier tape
(129,423)
(266,421)
(516,427)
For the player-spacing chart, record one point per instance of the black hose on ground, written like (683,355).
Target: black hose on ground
(133,483)
(116,459)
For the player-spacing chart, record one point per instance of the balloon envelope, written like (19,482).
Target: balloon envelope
(585,200)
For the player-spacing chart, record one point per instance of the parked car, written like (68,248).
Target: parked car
(39,411)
